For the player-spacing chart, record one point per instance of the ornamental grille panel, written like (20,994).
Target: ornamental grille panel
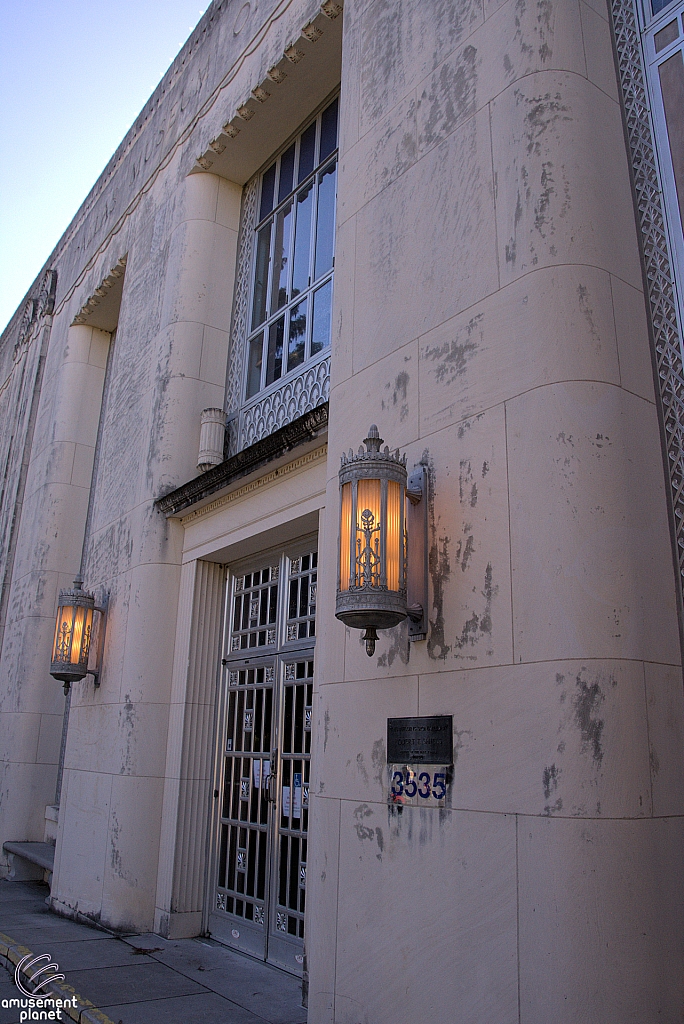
(288,402)
(659,276)
(264,760)
(254,609)
(294,806)
(238,334)
(301,609)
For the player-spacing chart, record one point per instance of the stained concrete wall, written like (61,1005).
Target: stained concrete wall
(174,226)
(22,362)
(490,318)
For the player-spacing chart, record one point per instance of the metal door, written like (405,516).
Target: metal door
(263,761)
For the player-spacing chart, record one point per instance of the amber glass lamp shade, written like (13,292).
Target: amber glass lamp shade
(371,587)
(73,631)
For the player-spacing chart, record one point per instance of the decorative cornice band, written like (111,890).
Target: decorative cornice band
(96,298)
(302,430)
(255,485)
(657,263)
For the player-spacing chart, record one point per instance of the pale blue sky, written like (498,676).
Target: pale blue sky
(74,74)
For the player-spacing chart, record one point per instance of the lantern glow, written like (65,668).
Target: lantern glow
(73,634)
(371,591)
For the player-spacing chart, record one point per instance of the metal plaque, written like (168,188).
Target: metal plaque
(420,740)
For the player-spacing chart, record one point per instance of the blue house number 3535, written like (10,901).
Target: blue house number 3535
(409,783)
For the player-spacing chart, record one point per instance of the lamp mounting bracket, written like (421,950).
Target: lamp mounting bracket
(101,630)
(417,552)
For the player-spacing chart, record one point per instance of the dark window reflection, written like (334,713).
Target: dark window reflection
(274,365)
(328,130)
(296,345)
(307,146)
(261,275)
(267,185)
(254,367)
(320,332)
(281,250)
(300,273)
(325,221)
(286,172)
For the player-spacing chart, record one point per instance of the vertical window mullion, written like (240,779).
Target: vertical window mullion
(312,249)
(269,281)
(264,357)
(314,218)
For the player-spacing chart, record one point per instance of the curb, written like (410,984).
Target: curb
(85,1012)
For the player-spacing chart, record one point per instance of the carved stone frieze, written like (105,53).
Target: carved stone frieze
(41,306)
(657,260)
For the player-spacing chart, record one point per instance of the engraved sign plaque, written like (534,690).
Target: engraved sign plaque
(420,740)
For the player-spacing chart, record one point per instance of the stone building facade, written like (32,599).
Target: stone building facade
(459,220)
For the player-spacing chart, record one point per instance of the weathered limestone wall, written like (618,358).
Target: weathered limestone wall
(176,231)
(116,750)
(490,319)
(22,363)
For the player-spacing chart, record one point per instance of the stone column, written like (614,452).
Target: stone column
(48,556)
(189,759)
(490,318)
(172,347)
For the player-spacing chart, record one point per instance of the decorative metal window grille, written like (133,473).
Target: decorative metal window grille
(659,276)
(243,848)
(254,609)
(294,808)
(301,611)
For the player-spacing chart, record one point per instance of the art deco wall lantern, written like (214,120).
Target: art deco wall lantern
(383,542)
(73,635)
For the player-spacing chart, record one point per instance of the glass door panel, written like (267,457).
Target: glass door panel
(289,895)
(244,841)
(258,887)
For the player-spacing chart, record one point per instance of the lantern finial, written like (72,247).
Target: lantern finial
(373,441)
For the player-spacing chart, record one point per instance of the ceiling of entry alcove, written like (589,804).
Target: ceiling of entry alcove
(290,102)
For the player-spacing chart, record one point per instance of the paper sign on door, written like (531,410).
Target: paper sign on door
(297,795)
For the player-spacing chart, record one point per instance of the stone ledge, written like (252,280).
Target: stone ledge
(40,854)
(306,428)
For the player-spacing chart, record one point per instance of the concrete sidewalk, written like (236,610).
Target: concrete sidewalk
(139,979)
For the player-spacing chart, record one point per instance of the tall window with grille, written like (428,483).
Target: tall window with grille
(291,303)
(663,43)
(258,891)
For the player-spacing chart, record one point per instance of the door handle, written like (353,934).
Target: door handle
(272,780)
